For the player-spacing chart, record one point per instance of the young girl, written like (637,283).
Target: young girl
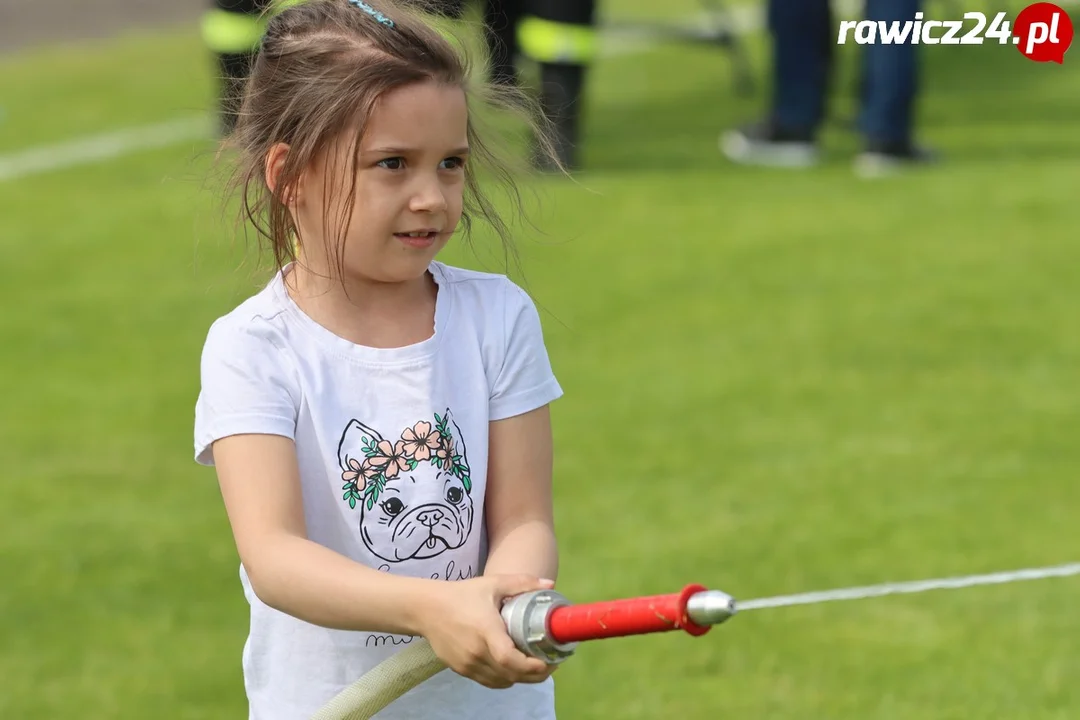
(378,420)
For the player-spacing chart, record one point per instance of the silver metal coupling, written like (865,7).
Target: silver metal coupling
(526,617)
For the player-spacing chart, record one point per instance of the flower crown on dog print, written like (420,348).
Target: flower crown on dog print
(383,461)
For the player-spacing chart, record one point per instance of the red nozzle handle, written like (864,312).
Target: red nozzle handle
(618,618)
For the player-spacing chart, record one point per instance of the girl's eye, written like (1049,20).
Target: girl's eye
(453,163)
(391,163)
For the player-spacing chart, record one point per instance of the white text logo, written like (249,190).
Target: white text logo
(1042,32)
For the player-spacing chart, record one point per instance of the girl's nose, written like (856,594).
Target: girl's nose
(429,196)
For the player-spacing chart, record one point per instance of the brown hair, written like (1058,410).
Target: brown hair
(319,72)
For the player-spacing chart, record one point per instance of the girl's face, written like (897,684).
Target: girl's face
(410,180)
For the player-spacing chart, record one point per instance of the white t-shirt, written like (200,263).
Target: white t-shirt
(392,447)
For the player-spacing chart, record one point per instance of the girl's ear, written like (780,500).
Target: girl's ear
(275,163)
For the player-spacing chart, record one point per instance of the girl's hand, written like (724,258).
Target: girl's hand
(463,624)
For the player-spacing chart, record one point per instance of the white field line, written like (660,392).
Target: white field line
(98,148)
(918,586)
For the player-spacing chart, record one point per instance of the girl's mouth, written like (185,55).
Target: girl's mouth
(418,239)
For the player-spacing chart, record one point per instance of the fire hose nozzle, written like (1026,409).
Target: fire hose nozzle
(526,617)
(545,625)
(710,607)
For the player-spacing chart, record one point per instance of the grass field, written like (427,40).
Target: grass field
(774,383)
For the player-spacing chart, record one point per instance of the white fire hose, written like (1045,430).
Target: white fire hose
(543,624)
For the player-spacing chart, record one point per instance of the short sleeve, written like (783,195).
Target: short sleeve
(247,387)
(525,380)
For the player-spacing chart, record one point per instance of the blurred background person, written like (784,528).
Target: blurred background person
(803,58)
(560,36)
(231,30)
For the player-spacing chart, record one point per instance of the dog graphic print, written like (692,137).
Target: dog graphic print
(414,492)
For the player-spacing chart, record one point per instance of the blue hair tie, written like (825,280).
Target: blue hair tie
(372,12)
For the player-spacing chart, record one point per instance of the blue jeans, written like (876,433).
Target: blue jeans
(804,47)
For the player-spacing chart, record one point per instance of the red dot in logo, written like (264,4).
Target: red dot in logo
(1043,32)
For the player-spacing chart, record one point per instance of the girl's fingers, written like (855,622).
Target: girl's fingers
(511,662)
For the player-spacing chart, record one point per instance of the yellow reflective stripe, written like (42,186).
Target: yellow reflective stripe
(547,41)
(229,32)
(233,32)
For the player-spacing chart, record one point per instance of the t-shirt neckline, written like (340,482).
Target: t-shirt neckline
(363,353)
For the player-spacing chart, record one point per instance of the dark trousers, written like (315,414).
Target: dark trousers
(501,18)
(804,49)
(500,32)
(562,70)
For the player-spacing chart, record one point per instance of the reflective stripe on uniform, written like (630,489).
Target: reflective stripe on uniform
(548,41)
(232,33)
(236,33)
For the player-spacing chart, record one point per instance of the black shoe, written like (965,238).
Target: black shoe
(879,158)
(766,143)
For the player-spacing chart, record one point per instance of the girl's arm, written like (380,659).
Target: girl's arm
(519,514)
(260,484)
